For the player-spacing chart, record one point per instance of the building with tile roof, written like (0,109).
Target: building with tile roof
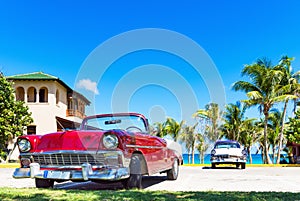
(53,104)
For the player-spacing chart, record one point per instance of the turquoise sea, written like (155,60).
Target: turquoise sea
(256,159)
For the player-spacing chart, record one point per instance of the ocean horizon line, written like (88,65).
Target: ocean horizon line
(256,159)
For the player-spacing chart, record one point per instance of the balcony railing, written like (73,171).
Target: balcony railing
(75,113)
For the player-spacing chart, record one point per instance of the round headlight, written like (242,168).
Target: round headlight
(24,145)
(110,141)
(213,152)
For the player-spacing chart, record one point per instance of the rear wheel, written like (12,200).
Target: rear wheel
(237,165)
(44,183)
(243,165)
(213,165)
(135,178)
(172,174)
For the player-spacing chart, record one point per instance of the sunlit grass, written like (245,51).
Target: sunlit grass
(33,194)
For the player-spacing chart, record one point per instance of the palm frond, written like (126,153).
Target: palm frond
(283,98)
(254,95)
(244,86)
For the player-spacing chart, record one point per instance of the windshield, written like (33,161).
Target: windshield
(129,123)
(220,145)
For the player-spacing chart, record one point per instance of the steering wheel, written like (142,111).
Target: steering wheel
(133,128)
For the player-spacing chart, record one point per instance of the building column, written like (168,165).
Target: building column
(37,95)
(25,96)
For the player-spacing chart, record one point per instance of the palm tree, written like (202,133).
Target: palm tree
(158,129)
(201,147)
(233,120)
(262,90)
(173,128)
(190,138)
(250,132)
(289,86)
(212,115)
(274,130)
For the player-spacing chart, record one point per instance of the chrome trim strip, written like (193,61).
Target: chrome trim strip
(59,167)
(71,152)
(143,147)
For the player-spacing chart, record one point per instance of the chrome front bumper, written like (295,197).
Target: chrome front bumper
(228,160)
(86,173)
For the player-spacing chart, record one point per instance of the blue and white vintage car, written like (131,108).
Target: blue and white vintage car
(228,152)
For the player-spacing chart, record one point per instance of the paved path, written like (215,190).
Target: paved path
(285,179)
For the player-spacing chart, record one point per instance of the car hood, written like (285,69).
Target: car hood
(69,140)
(229,151)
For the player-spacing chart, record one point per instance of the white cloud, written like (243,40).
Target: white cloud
(89,85)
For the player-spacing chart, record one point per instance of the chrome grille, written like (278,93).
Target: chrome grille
(223,156)
(69,159)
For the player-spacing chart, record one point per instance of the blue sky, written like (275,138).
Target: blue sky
(58,37)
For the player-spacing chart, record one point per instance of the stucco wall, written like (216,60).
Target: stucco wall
(44,113)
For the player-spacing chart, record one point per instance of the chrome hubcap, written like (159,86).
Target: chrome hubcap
(175,167)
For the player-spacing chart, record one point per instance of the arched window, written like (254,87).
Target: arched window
(31,95)
(75,104)
(43,95)
(20,94)
(57,97)
(70,104)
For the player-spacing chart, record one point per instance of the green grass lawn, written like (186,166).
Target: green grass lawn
(34,194)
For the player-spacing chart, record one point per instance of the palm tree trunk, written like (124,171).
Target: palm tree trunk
(263,158)
(266,150)
(202,157)
(274,154)
(193,156)
(281,132)
(250,156)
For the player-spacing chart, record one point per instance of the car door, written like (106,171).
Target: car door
(154,150)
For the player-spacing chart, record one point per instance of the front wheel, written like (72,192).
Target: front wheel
(243,165)
(213,165)
(135,178)
(172,174)
(44,183)
(134,181)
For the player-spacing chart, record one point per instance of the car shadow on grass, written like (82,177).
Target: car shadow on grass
(146,182)
(88,186)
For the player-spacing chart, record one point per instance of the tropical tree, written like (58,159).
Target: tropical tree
(201,147)
(262,91)
(190,138)
(290,86)
(233,120)
(212,115)
(274,130)
(158,129)
(173,127)
(292,131)
(14,115)
(250,133)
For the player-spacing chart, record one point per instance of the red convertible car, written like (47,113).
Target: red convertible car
(106,148)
